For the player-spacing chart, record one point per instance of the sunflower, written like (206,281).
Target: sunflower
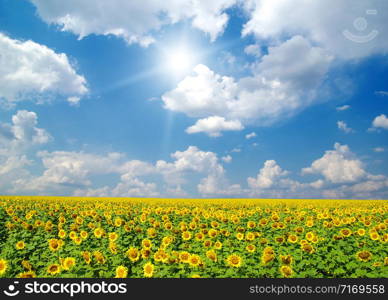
(251,224)
(26,265)
(62,234)
(54,269)
(218,245)
(240,236)
(68,263)
(186,235)
(113,236)
(345,232)
(308,248)
(121,272)
(148,270)
(146,244)
(72,235)
(374,236)
(250,236)
(279,239)
(184,256)
(86,256)
(363,255)
(98,232)
(267,258)
(212,255)
(250,248)
(3,266)
(20,245)
(54,244)
(234,260)
(199,236)
(386,261)
(28,274)
(286,259)
(194,260)
(84,235)
(133,254)
(310,235)
(286,271)
(292,238)
(195,276)
(207,243)
(77,240)
(99,257)
(212,233)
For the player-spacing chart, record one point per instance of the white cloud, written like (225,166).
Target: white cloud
(284,82)
(378,149)
(382,93)
(254,50)
(214,125)
(344,127)
(135,21)
(235,150)
(343,107)
(250,135)
(22,133)
(337,166)
(29,69)
(227,158)
(267,175)
(13,163)
(380,122)
(275,19)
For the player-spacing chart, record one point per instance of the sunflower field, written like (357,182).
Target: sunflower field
(175,238)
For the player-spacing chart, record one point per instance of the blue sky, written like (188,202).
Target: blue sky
(226,98)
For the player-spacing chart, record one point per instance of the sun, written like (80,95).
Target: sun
(179,60)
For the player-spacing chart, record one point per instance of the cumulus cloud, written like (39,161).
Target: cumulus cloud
(382,93)
(250,135)
(214,125)
(343,107)
(378,149)
(28,70)
(227,158)
(134,21)
(283,83)
(380,122)
(344,127)
(254,50)
(267,175)
(337,166)
(22,133)
(337,29)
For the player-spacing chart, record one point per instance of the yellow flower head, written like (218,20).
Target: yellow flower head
(20,245)
(250,248)
(121,272)
(234,260)
(184,256)
(212,255)
(194,260)
(286,271)
(3,266)
(146,244)
(68,263)
(54,269)
(113,236)
(148,270)
(133,254)
(363,255)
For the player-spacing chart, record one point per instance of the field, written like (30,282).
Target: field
(106,237)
